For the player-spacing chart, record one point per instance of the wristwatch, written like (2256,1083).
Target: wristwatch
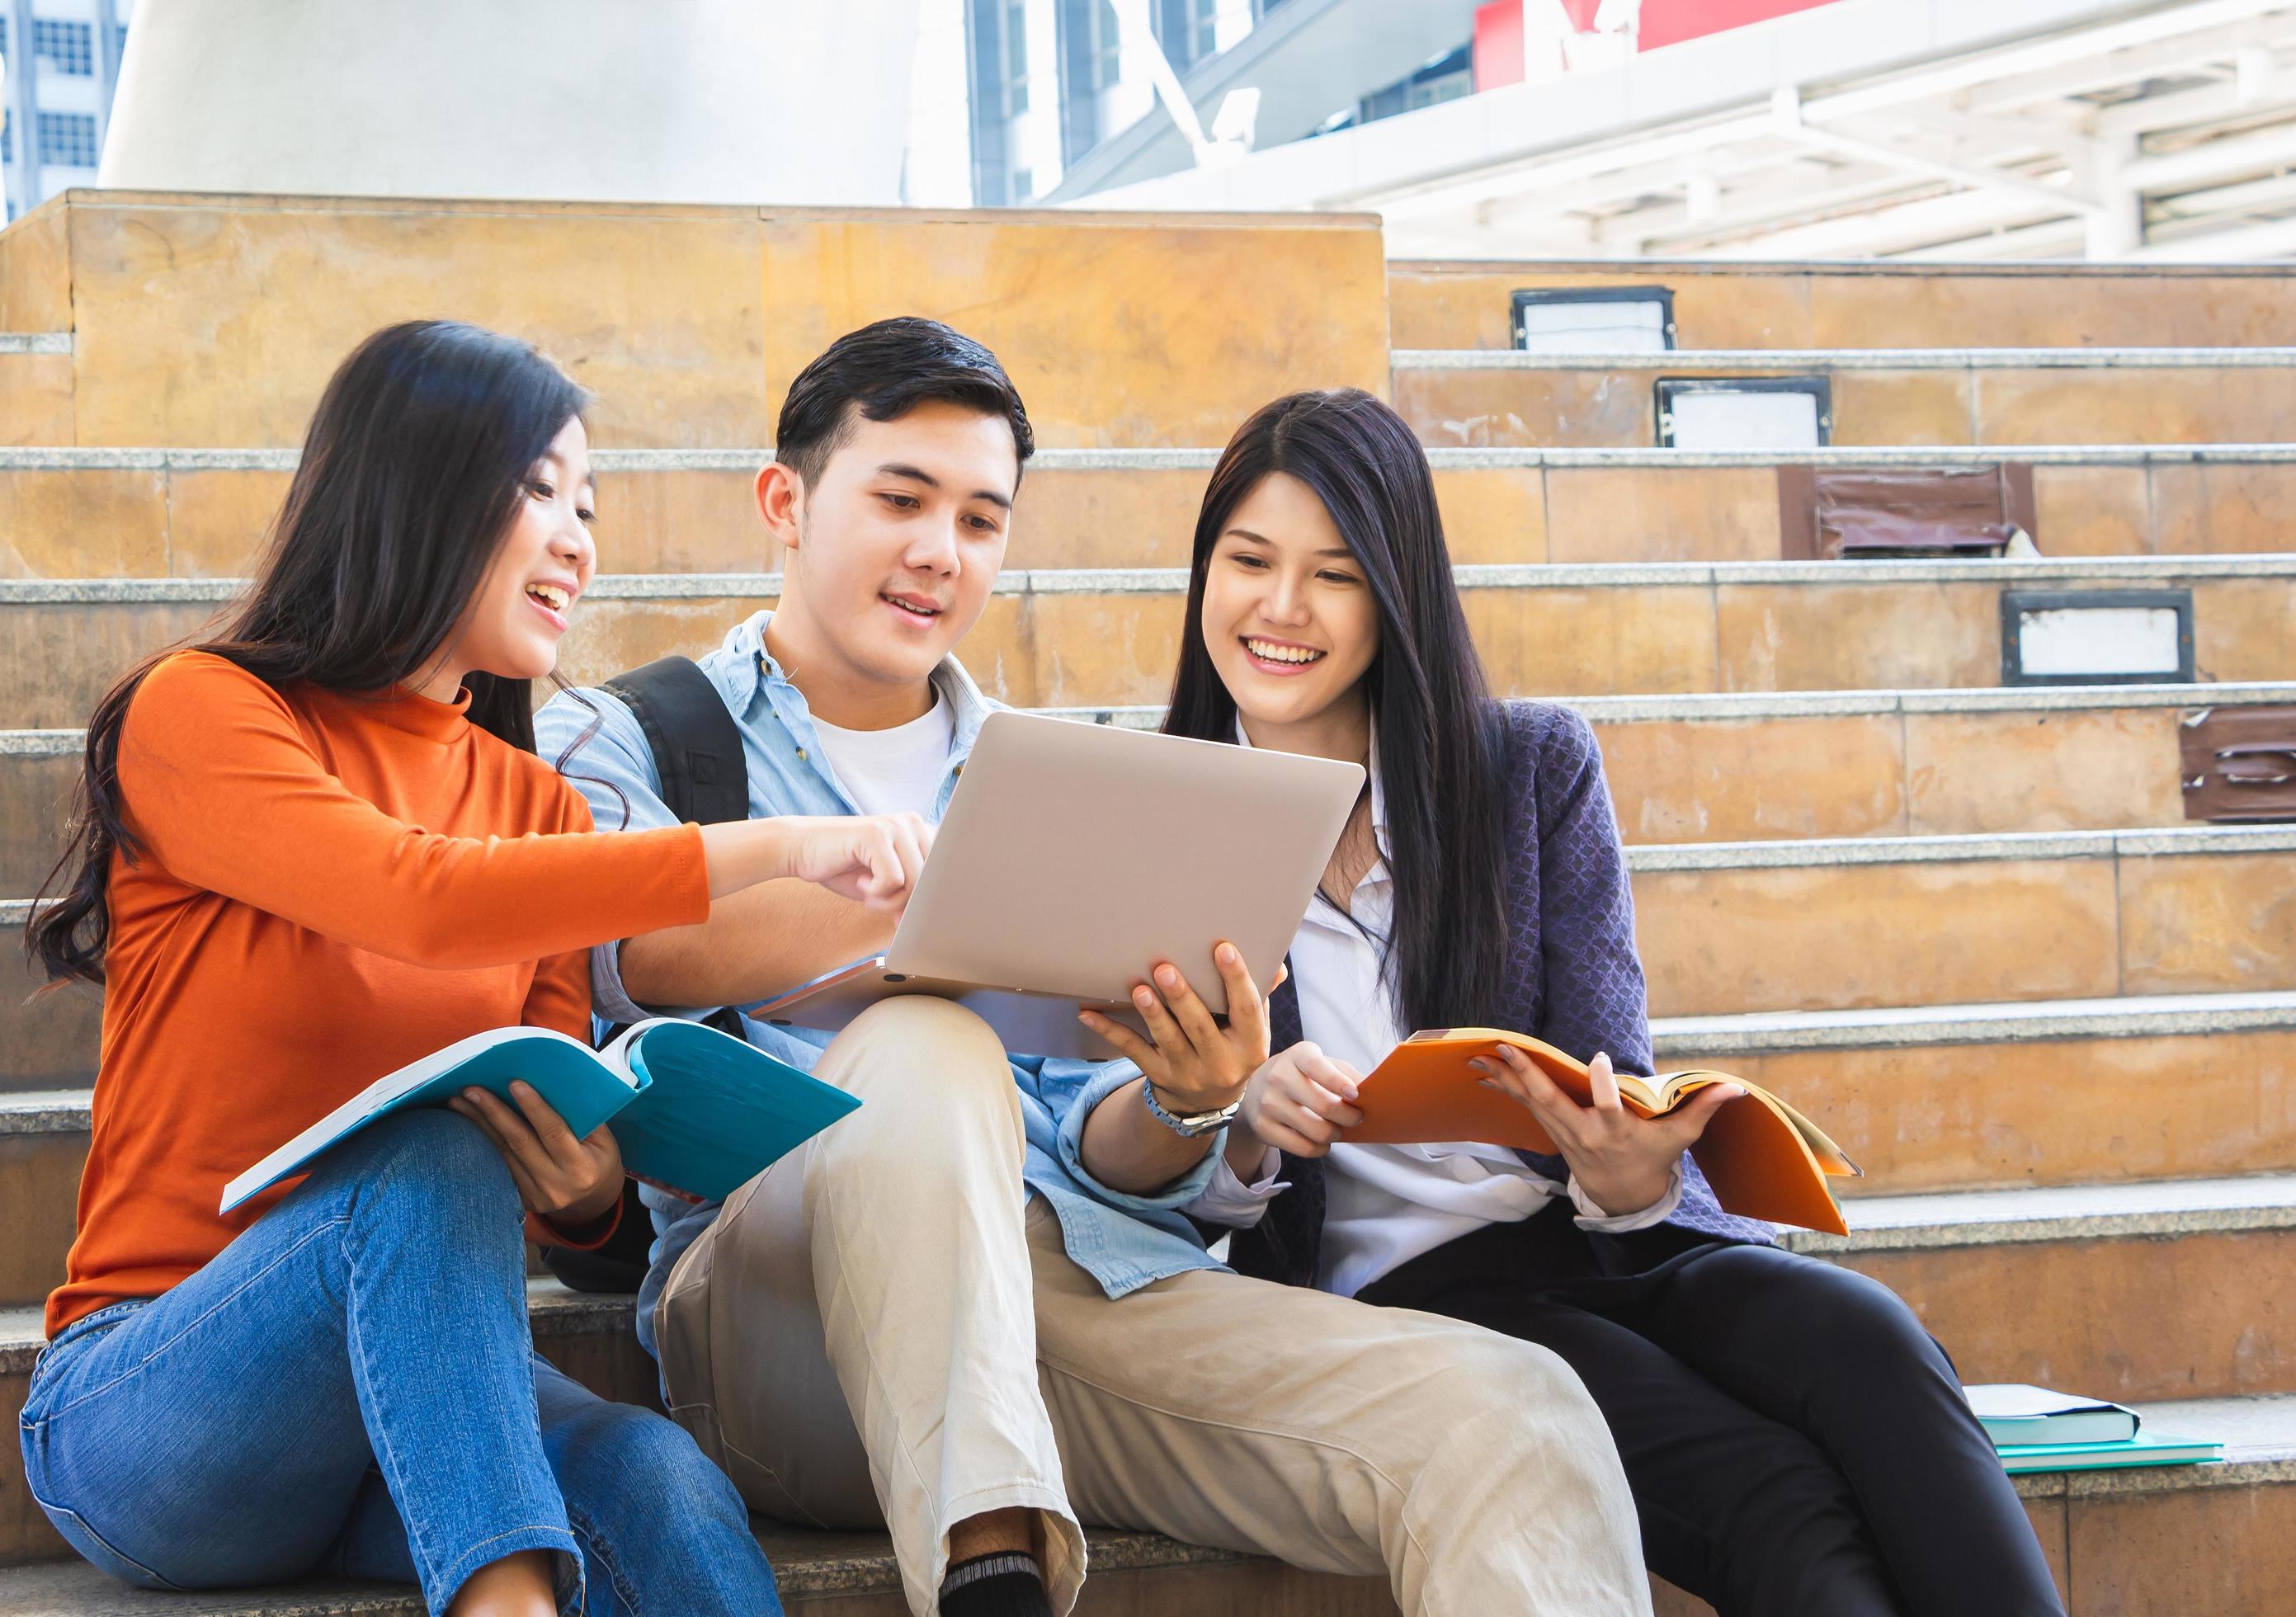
(1188,1125)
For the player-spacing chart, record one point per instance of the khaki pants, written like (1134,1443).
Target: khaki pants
(882,1329)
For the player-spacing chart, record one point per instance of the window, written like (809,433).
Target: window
(1016,61)
(7,137)
(71,47)
(1744,412)
(1091,63)
(1594,320)
(1203,32)
(1434,92)
(2096,636)
(68,139)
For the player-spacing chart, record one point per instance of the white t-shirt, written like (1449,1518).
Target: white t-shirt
(895,771)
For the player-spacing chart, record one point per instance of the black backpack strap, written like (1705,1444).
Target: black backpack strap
(697,746)
(697,754)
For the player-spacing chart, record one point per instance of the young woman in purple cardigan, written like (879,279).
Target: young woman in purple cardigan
(1796,1442)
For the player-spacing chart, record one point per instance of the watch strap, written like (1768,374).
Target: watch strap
(1190,1125)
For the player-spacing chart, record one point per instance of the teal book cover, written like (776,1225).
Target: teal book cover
(713,1111)
(2145,1448)
(694,1111)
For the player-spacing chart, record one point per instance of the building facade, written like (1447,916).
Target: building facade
(1049,80)
(1064,104)
(61,60)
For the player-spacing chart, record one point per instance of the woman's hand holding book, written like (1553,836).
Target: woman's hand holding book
(1623,1161)
(1301,1101)
(570,1182)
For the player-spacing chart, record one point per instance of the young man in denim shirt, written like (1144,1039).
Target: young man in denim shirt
(935,1317)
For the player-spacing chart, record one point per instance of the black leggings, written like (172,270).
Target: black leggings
(1797,1444)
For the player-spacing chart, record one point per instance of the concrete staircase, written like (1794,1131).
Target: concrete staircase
(1964,924)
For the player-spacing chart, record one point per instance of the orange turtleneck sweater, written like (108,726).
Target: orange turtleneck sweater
(327,887)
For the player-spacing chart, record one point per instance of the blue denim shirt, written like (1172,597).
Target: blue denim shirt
(1124,1241)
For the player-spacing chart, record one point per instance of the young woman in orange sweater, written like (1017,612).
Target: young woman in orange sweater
(310,850)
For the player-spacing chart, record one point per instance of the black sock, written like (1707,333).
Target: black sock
(1006,1584)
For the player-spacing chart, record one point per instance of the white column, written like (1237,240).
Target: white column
(699,100)
(2116,229)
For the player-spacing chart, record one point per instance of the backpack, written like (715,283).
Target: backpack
(697,755)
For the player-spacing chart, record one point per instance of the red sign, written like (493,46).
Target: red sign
(1672,21)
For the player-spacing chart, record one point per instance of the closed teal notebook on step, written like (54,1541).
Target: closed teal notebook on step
(2145,1448)
(694,1110)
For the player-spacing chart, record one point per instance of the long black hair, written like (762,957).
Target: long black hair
(412,472)
(1439,733)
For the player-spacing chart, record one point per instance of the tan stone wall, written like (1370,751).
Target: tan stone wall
(2123,1320)
(1441,306)
(1589,409)
(35,273)
(208,523)
(214,321)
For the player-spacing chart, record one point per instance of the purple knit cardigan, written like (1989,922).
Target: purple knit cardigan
(1574,978)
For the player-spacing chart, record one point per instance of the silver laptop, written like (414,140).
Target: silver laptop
(1074,856)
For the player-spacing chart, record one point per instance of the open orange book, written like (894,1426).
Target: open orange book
(1764,1159)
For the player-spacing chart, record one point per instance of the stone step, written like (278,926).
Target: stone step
(1862,303)
(1954,1098)
(1900,397)
(43,1147)
(819,1574)
(203,513)
(1729,927)
(1952,762)
(2126,1292)
(2025,1094)
(1681,768)
(1107,637)
(47,1039)
(36,378)
(1838,763)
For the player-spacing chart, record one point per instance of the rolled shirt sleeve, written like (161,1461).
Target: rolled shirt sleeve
(1229,1201)
(1069,1090)
(1592,1217)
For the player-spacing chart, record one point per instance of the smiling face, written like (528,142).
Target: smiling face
(513,624)
(892,554)
(1288,617)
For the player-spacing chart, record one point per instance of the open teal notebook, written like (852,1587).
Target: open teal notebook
(694,1110)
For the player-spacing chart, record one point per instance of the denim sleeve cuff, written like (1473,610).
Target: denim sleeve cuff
(1228,1200)
(1173,1196)
(1592,1217)
(608,998)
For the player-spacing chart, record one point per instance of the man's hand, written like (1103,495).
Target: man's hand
(570,1182)
(873,859)
(1623,1161)
(1196,1064)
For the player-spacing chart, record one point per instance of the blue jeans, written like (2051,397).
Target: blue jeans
(350,1387)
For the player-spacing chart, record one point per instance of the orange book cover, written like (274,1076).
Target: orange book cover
(1764,1159)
